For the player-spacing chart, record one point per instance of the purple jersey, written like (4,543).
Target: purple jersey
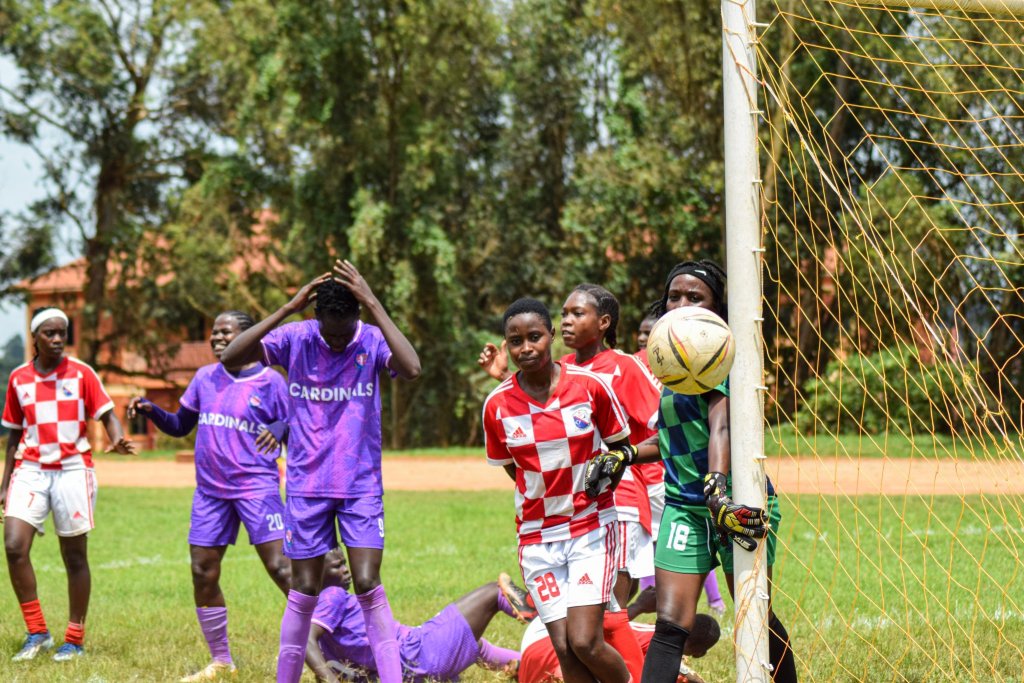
(231,411)
(439,650)
(338,613)
(335,440)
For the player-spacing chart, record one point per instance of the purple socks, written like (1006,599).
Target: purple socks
(711,588)
(214,622)
(494,657)
(294,633)
(504,606)
(646,582)
(380,630)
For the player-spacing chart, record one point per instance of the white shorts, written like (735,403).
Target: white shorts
(656,494)
(572,573)
(636,552)
(70,494)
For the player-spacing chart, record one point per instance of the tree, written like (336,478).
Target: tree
(104,101)
(12,355)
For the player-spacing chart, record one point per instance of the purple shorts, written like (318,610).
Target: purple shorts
(309,525)
(440,649)
(215,520)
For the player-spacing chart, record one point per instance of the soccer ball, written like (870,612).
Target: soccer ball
(690,350)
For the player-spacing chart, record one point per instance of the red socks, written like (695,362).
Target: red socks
(33,613)
(75,633)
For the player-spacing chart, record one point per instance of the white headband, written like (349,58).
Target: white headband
(44,315)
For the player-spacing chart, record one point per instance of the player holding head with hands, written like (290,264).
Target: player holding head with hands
(333,363)
(701,521)
(545,424)
(237,411)
(49,468)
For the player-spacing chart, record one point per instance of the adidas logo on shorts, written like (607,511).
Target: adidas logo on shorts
(585,581)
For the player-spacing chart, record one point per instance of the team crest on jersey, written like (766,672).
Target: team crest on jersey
(67,392)
(254,401)
(361,358)
(581,418)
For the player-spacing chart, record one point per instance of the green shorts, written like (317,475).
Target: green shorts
(688,543)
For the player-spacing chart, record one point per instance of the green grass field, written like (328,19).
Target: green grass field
(865,596)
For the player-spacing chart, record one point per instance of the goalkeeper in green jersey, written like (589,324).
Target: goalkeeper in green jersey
(701,520)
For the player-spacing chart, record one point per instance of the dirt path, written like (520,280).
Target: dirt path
(828,476)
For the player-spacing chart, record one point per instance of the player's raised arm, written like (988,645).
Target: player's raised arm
(245,348)
(404,360)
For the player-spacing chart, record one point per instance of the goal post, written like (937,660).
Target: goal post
(874,215)
(743,264)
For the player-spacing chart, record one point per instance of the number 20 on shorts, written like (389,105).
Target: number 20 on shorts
(547,587)
(678,535)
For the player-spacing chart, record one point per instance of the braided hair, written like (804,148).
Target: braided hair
(526,305)
(606,304)
(705,270)
(243,319)
(335,300)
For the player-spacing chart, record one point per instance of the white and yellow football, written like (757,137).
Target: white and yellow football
(690,350)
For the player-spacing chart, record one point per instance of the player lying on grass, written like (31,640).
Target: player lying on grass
(439,650)
(544,425)
(334,364)
(538,663)
(49,467)
(237,480)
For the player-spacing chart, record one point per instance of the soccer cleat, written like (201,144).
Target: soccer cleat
(212,672)
(67,652)
(518,599)
(34,644)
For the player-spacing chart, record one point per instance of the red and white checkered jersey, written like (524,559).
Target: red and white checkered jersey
(550,446)
(640,395)
(52,411)
(651,473)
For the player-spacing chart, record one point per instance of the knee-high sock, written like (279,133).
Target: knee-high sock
(711,588)
(494,657)
(380,630)
(646,582)
(294,633)
(664,653)
(214,622)
(503,604)
(619,634)
(780,653)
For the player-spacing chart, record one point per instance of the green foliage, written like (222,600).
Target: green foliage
(13,355)
(889,391)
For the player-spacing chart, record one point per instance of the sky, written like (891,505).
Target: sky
(19,186)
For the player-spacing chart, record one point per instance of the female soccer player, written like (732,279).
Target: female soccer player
(438,650)
(49,467)
(590,317)
(334,448)
(700,518)
(544,425)
(654,479)
(237,480)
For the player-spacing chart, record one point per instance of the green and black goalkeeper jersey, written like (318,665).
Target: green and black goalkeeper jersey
(683,440)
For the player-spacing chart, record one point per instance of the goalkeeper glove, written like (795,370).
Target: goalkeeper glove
(740,523)
(611,464)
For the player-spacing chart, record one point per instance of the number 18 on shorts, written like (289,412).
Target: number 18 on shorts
(572,573)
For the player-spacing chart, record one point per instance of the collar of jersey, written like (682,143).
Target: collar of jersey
(355,337)
(60,366)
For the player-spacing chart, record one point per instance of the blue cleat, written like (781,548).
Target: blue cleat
(67,652)
(34,644)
